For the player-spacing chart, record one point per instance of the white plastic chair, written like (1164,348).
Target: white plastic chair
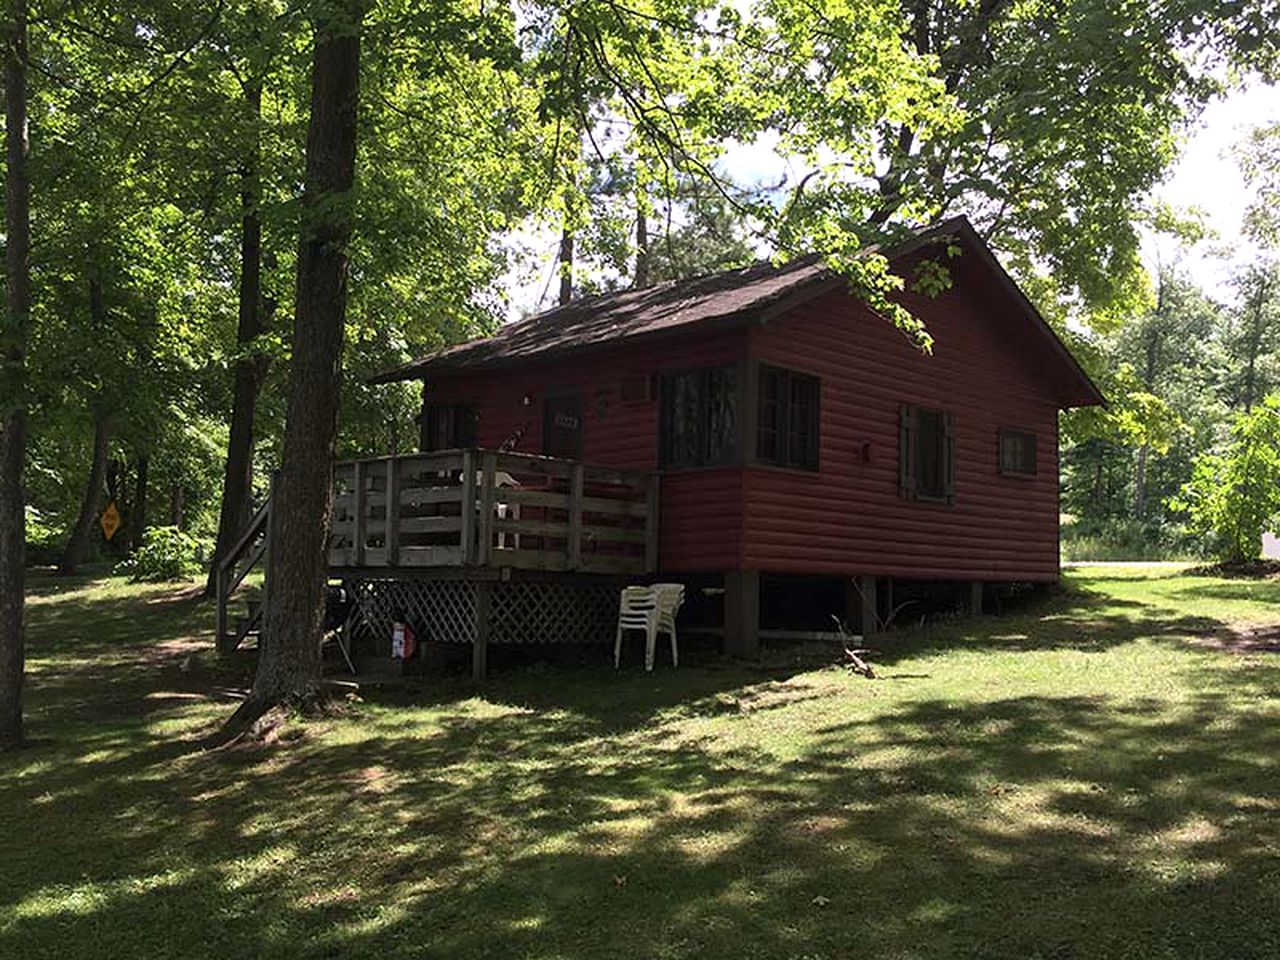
(653,610)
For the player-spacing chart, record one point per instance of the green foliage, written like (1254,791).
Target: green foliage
(1167,375)
(1233,497)
(1259,159)
(167,553)
(482,124)
(1111,538)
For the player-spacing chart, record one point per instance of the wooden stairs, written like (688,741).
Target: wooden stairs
(249,550)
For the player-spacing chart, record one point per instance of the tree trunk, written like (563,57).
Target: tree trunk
(566,266)
(13,428)
(177,506)
(82,533)
(289,659)
(1250,376)
(642,246)
(237,481)
(1140,484)
(138,509)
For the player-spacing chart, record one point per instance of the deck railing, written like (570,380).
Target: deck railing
(486,508)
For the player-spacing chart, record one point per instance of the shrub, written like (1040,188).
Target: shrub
(1129,539)
(44,539)
(166,554)
(1233,497)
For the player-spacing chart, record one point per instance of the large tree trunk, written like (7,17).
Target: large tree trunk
(1140,483)
(82,533)
(237,481)
(566,266)
(13,427)
(642,245)
(289,661)
(138,509)
(177,506)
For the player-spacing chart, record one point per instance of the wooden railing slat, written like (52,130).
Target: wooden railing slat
(466,531)
(574,546)
(358,535)
(393,513)
(490,469)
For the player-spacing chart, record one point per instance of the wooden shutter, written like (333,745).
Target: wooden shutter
(949,456)
(465,426)
(907,451)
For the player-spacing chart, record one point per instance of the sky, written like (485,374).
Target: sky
(1205,176)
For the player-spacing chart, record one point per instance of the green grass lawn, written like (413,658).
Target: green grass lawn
(1080,779)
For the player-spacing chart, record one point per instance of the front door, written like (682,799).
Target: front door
(562,425)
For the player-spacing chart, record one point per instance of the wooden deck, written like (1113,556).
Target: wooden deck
(476,509)
(472,544)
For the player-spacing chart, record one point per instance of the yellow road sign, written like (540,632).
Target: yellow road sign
(110,520)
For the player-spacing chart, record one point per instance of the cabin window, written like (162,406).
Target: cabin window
(787,425)
(448,426)
(700,417)
(927,454)
(562,426)
(1017,452)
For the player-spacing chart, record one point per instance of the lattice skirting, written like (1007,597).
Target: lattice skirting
(522,611)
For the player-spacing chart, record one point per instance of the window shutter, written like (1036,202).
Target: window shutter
(466,428)
(430,428)
(949,456)
(907,452)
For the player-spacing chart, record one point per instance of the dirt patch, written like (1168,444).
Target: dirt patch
(1253,640)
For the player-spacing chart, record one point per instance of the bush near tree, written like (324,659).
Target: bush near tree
(1233,497)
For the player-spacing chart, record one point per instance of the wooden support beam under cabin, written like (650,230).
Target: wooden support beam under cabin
(742,613)
(852,619)
(975,598)
(480,630)
(868,616)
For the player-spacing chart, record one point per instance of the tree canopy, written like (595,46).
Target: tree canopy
(169,160)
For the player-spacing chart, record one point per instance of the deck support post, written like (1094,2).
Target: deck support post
(975,598)
(742,613)
(480,630)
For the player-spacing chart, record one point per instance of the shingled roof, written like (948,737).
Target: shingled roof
(727,297)
(625,314)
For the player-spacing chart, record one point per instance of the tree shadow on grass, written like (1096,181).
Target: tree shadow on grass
(600,815)
(1075,618)
(1033,826)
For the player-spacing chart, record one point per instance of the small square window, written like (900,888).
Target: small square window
(447,426)
(1017,452)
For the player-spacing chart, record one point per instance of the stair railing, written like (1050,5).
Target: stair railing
(250,547)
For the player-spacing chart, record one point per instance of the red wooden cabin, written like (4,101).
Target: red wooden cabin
(794,431)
